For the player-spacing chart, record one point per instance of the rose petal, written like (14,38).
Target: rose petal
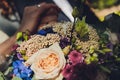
(40,73)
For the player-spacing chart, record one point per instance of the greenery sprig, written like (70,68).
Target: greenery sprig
(81,27)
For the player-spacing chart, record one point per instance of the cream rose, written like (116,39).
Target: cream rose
(48,62)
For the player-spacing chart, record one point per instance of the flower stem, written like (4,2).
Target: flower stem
(72,30)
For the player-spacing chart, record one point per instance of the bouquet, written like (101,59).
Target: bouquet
(63,51)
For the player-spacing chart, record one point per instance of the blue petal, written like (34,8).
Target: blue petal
(28,71)
(23,74)
(15,71)
(14,64)
(17,63)
(22,67)
(49,30)
(28,78)
(42,32)
(20,64)
(18,75)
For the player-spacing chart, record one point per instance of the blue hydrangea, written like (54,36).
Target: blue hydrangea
(42,32)
(20,70)
(45,31)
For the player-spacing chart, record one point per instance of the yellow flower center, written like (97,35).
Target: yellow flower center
(48,63)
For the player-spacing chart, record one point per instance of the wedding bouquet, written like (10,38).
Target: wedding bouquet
(60,51)
(63,51)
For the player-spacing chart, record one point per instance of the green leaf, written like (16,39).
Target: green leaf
(2,76)
(92,49)
(25,37)
(66,50)
(75,12)
(81,27)
(100,51)
(19,42)
(95,55)
(105,69)
(78,47)
(118,59)
(106,50)
(73,40)
(19,35)
(8,71)
(23,52)
(87,60)
(16,78)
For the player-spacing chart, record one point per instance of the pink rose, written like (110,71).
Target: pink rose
(75,57)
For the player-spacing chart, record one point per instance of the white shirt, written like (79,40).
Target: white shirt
(65,7)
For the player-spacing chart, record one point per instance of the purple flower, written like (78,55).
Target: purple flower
(64,42)
(75,57)
(20,70)
(79,71)
(19,56)
(110,46)
(67,71)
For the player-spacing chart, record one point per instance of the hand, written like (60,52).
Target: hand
(50,16)
(30,20)
(33,15)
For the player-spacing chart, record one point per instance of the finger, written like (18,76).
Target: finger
(47,6)
(55,7)
(48,19)
(51,11)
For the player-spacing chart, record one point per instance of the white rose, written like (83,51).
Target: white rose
(47,63)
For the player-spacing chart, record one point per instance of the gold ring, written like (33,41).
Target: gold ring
(38,5)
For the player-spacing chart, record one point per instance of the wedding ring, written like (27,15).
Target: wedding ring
(38,5)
